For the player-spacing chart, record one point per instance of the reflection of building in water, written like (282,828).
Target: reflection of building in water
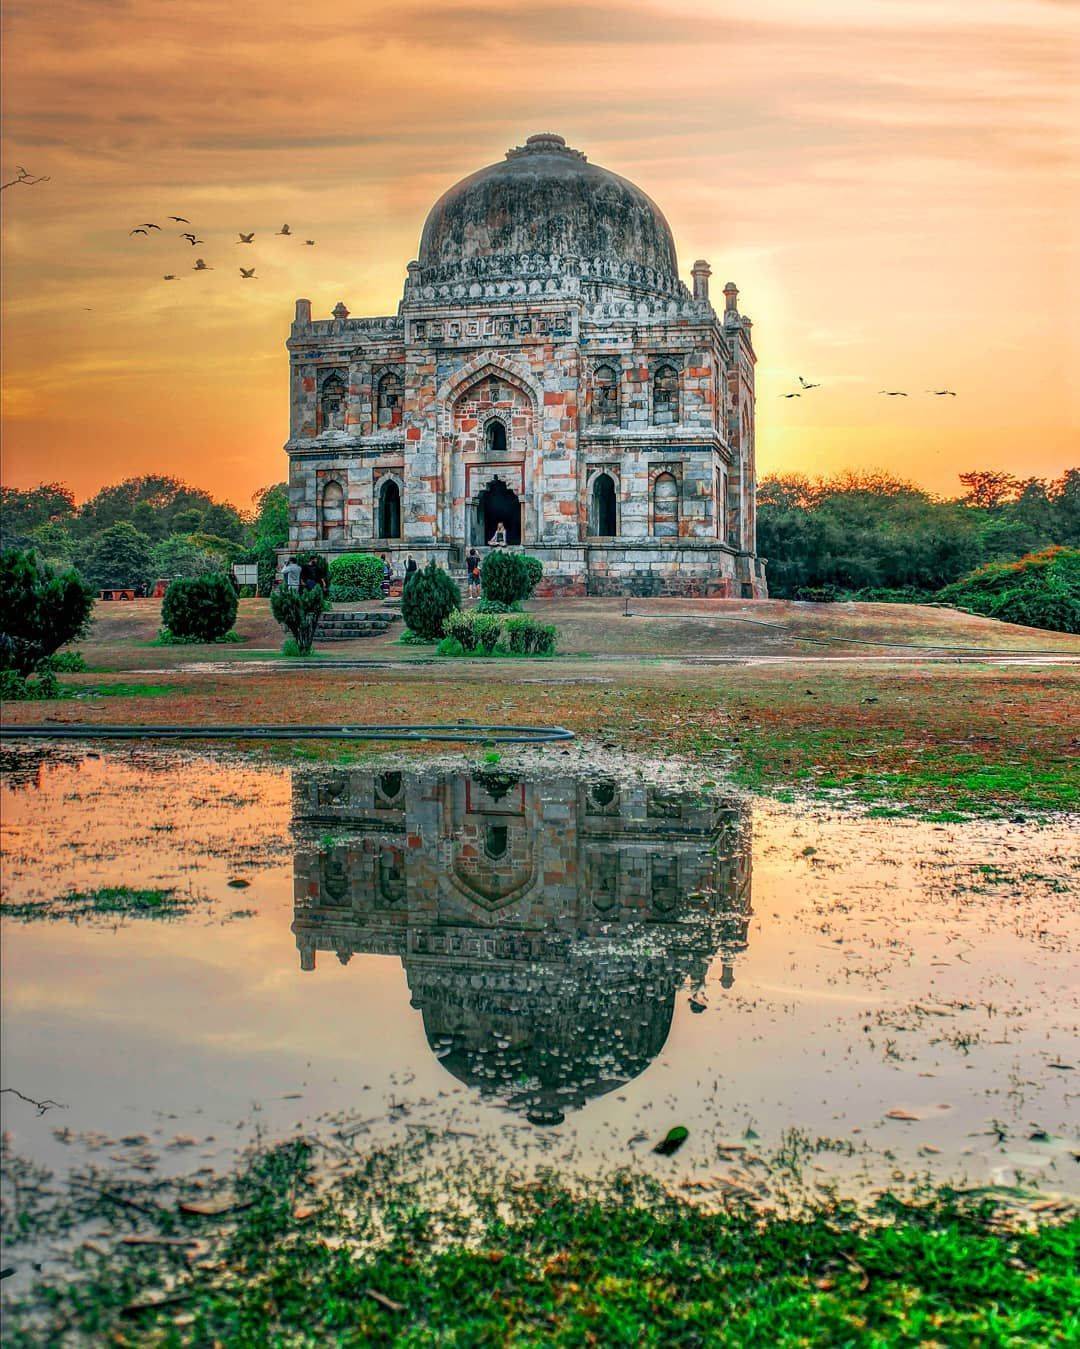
(544,927)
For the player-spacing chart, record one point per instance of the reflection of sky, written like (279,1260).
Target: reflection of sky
(199,1026)
(887,182)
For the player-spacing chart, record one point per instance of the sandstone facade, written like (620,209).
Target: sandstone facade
(548,371)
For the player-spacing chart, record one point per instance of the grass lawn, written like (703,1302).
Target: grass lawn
(365,1259)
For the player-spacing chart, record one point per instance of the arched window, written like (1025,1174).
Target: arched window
(495,436)
(665,395)
(388,402)
(666,507)
(332,404)
(603,515)
(388,523)
(606,396)
(333,511)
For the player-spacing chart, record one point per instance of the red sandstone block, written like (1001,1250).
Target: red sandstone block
(414,433)
(551,397)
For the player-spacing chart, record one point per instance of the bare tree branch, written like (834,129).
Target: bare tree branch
(22,176)
(42,1106)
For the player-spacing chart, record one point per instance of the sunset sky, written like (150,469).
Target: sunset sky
(891,183)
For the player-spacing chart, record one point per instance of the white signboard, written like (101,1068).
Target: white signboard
(246,573)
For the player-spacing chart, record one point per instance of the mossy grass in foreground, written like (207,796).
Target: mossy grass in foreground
(279,1257)
(112,901)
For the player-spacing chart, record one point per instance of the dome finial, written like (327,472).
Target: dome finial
(544,143)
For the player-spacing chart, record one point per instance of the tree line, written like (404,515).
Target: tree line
(872,536)
(145,529)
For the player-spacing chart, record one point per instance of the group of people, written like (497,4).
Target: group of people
(302,576)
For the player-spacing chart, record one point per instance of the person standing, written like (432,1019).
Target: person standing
(290,574)
(387,575)
(472,566)
(410,569)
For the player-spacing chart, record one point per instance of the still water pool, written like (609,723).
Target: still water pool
(538,961)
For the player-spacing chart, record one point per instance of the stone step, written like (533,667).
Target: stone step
(347,634)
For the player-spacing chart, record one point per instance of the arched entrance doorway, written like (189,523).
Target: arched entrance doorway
(496,505)
(389,521)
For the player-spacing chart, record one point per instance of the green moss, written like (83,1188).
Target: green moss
(127,689)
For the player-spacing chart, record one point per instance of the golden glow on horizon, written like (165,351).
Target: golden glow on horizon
(891,185)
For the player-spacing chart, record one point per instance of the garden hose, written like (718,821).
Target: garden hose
(465,732)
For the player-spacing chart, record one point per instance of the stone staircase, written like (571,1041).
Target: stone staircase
(345,625)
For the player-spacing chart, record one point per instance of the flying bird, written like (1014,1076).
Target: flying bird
(170,277)
(180,219)
(248,273)
(139,231)
(150,225)
(246,238)
(806,385)
(791,395)
(893,393)
(310,242)
(201,266)
(942,392)
(284,230)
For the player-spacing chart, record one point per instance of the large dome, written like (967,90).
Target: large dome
(546,200)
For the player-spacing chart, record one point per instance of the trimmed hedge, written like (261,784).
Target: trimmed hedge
(356,576)
(509,577)
(471,633)
(200,608)
(430,596)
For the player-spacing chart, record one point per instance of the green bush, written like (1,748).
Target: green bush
(429,598)
(200,608)
(509,577)
(18,688)
(1040,590)
(483,606)
(64,662)
(409,638)
(450,646)
(359,573)
(526,636)
(166,637)
(482,634)
(40,610)
(349,594)
(298,612)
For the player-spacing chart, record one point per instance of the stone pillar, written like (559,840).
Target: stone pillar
(731,298)
(701,271)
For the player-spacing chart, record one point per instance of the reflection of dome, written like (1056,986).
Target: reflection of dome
(548,1037)
(546,199)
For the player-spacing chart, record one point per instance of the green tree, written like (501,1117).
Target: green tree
(180,555)
(298,612)
(40,610)
(430,596)
(119,556)
(271,525)
(21,512)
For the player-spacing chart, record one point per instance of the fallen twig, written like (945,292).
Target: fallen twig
(42,1106)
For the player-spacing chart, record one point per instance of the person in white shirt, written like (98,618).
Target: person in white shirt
(290,574)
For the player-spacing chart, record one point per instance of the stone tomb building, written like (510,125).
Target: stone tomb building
(547,370)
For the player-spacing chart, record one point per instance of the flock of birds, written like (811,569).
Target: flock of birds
(201,265)
(889,393)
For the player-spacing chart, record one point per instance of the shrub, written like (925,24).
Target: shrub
(40,610)
(410,638)
(18,688)
(1040,590)
(429,598)
(527,637)
(64,662)
(201,608)
(298,611)
(483,606)
(450,646)
(359,573)
(509,577)
(349,594)
(166,637)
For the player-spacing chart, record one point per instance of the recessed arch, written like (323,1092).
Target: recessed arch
(388,509)
(603,507)
(332,510)
(665,506)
